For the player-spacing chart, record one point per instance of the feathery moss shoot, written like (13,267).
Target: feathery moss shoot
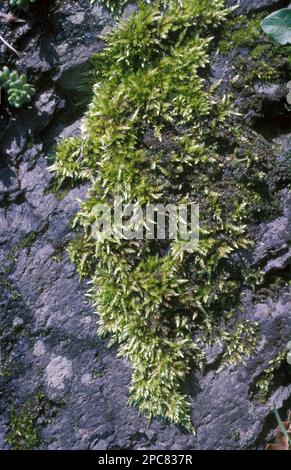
(158,131)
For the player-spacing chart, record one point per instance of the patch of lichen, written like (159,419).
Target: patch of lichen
(265,383)
(23,424)
(157,132)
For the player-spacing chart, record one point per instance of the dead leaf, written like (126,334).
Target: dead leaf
(281,441)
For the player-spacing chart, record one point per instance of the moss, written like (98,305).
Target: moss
(239,343)
(157,131)
(98,374)
(60,188)
(236,436)
(264,59)
(259,50)
(6,368)
(264,73)
(23,424)
(26,243)
(241,31)
(13,293)
(266,381)
(59,254)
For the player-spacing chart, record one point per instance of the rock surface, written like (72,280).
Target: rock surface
(48,328)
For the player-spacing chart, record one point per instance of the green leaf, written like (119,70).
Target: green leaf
(278,26)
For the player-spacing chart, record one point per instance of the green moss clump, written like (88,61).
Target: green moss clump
(260,50)
(261,71)
(264,385)
(23,429)
(156,131)
(239,343)
(242,31)
(264,61)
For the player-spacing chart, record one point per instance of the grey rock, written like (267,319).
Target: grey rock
(284,141)
(275,236)
(247,6)
(46,105)
(35,62)
(272,92)
(9,186)
(279,263)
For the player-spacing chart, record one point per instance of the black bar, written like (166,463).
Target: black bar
(143,458)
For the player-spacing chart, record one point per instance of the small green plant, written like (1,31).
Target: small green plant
(18,90)
(22,4)
(278,26)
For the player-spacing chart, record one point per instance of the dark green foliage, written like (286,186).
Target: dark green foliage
(18,90)
(156,131)
(22,4)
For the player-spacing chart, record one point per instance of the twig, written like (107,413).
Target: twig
(8,45)
(8,18)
